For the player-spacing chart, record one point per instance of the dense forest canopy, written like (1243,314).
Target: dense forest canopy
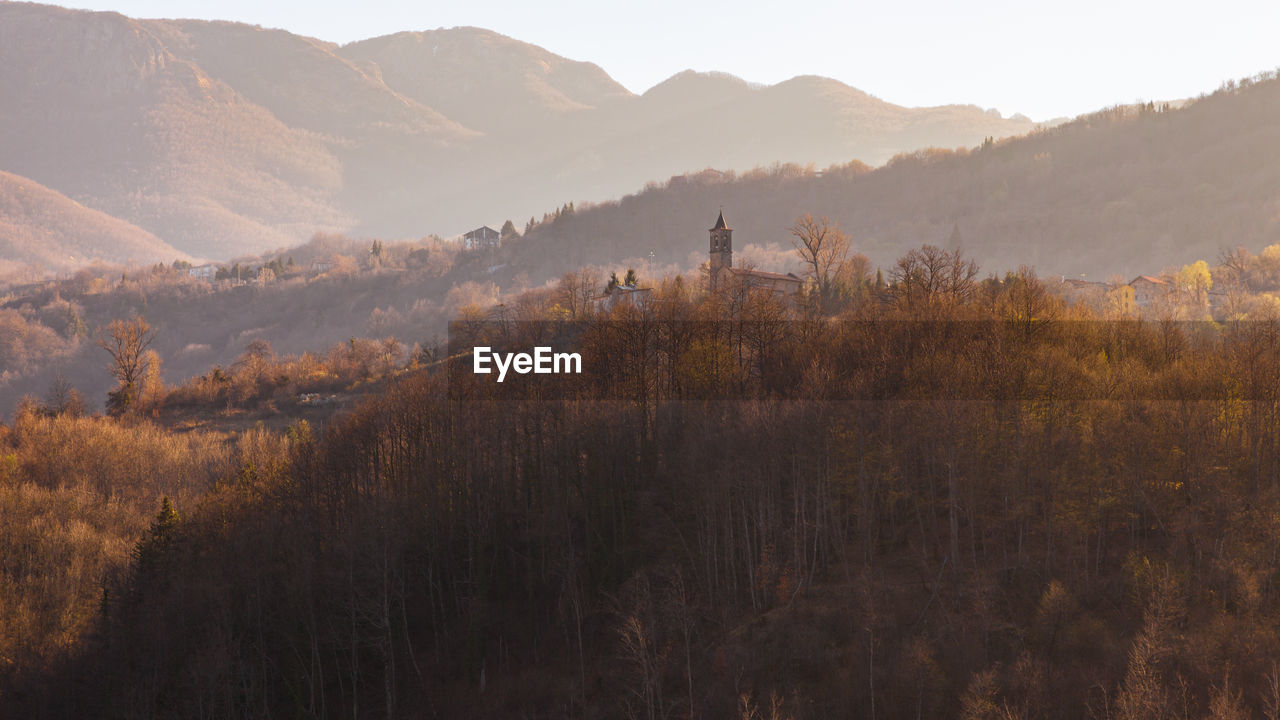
(947,497)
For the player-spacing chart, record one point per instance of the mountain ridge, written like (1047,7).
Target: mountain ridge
(224,138)
(42,227)
(1124,191)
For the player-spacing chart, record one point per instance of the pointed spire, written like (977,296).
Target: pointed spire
(720,222)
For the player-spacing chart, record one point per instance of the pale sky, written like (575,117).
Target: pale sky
(1044,60)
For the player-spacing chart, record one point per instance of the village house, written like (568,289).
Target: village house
(482,238)
(1147,289)
(1084,285)
(203,272)
(1080,290)
(622,295)
(722,275)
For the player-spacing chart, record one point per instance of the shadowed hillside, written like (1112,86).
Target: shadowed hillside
(961,500)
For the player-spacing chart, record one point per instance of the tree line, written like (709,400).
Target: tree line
(955,498)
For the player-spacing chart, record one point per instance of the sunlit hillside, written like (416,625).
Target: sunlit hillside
(1123,191)
(45,229)
(224,138)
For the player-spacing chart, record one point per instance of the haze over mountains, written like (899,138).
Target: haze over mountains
(222,138)
(1124,191)
(39,226)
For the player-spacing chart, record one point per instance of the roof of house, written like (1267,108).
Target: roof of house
(1148,278)
(482,231)
(1073,282)
(623,288)
(765,275)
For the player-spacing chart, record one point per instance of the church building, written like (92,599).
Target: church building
(722,275)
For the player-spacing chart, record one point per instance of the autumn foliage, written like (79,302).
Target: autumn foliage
(962,500)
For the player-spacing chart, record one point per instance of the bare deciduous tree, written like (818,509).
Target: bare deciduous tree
(822,247)
(930,272)
(126,341)
(576,289)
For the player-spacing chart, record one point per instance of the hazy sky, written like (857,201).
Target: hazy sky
(1041,59)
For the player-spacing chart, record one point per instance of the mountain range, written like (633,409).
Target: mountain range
(222,139)
(1124,191)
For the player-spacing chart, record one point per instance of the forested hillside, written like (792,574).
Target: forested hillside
(1124,191)
(408,291)
(49,231)
(956,498)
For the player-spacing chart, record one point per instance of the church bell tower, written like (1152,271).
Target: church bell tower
(721,249)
